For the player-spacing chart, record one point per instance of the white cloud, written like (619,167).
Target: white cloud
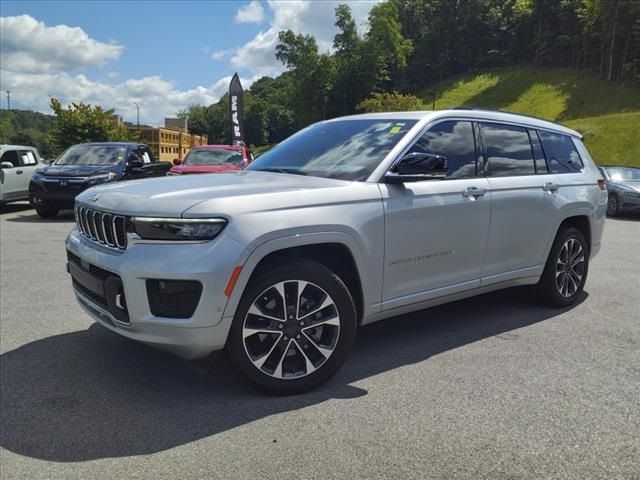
(220,54)
(27,45)
(314,18)
(157,98)
(251,13)
(39,61)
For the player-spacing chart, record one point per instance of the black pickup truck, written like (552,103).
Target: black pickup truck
(55,186)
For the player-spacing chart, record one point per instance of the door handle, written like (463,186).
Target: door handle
(474,192)
(18,172)
(550,187)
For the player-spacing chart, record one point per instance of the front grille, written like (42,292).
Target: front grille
(112,298)
(95,270)
(102,227)
(94,297)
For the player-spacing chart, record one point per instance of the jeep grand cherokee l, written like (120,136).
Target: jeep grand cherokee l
(347,222)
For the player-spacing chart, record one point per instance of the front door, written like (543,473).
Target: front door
(11,179)
(436,230)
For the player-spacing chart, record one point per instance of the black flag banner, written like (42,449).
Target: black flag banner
(235,109)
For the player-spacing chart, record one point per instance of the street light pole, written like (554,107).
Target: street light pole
(137,116)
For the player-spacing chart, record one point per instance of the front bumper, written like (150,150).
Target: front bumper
(49,196)
(629,203)
(210,263)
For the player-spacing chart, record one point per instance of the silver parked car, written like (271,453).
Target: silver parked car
(17,164)
(349,221)
(623,187)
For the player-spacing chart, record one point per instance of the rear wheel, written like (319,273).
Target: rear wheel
(47,212)
(613,205)
(566,269)
(293,329)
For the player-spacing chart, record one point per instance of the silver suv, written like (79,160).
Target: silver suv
(349,221)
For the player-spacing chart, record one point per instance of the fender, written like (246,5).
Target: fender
(585,210)
(371,287)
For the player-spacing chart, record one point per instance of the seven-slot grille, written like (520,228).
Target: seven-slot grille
(102,227)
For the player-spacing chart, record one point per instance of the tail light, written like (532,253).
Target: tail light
(602,184)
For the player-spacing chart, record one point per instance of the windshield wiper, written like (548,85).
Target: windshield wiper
(283,170)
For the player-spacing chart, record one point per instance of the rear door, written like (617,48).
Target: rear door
(436,230)
(524,202)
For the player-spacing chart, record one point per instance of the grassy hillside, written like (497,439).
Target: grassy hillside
(607,115)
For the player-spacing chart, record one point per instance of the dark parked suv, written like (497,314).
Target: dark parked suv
(55,187)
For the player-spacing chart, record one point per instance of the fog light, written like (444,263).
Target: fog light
(173,298)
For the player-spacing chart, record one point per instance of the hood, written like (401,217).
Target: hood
(172,196)
(77,170)
(186,168)
(634,186)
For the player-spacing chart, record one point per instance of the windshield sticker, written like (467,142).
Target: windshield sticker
(396,128)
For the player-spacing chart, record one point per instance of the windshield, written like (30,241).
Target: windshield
(623,174)
(93,155)
(214,157)
(343,149)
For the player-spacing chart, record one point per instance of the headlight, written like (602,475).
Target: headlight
(168,229)
(102,178)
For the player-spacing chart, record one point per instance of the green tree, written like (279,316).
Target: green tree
(312,75)
(391,102)
(81,123)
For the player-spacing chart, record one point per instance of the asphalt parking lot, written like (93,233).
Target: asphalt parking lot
(494,387)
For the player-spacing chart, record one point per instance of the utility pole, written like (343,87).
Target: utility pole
(8,99)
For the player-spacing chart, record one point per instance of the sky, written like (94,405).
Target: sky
(164,55)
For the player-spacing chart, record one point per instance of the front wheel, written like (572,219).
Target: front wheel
(613,205)
(293,329)
(565,272)
(47,212)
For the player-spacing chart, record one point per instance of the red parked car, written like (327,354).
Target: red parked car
(212,159)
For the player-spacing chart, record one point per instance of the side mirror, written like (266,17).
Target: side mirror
(4,165)
(177,161)
(415,167)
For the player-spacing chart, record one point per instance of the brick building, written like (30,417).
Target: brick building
(171,141)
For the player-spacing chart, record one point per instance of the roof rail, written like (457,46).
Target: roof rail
(495,110)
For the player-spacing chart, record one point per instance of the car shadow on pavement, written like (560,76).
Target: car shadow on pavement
(33,217)
(15,207)
(91,394)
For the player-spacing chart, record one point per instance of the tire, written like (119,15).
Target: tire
(562,282)
(47,212)
(613,205)
(298,347)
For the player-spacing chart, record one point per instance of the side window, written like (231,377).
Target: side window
(27,158)
(508,150)
(562,155)
(453,140)
(538,153)
(146,155)
(11,156)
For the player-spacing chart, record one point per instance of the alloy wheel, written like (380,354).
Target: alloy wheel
(291,329)
(570,267)
(612,205)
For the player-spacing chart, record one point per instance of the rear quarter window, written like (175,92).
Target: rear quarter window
(562,154)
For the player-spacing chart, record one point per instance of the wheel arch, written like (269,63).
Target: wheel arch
(336,250)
